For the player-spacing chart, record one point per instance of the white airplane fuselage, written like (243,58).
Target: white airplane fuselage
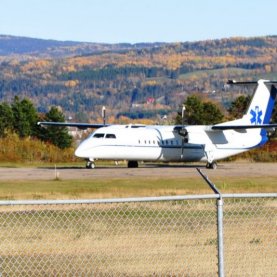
(164,143)
(182,143)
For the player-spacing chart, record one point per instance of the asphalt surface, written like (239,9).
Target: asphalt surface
(150,170)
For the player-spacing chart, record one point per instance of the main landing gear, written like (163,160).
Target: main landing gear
(212,165)
(132,164)
(90,165)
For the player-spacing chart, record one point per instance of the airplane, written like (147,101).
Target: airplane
(181,143)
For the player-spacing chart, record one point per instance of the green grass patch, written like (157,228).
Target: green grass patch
(106,188)
(54,189)
(246,184)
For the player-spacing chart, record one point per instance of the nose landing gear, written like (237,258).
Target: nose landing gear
(90,165)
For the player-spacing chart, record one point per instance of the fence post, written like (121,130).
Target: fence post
(219,203)
(220,237)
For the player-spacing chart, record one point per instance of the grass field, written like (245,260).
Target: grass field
(146,186)
(165,238)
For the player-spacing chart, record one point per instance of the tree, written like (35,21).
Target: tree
(199,112)
(194,109)
(211,114)
(25,117)
(239,106)
(6,119)
(57,135)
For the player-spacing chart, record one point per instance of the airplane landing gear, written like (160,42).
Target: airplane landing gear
(212,165)
(132,164)
(90,165)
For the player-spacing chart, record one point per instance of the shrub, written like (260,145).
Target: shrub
(28,149)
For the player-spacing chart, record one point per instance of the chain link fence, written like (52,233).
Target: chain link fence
(250,236)
(164,236)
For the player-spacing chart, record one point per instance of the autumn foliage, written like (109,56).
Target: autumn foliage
(142,83)
(122,77)
(32,150)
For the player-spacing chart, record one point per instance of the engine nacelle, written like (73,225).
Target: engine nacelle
(183,133)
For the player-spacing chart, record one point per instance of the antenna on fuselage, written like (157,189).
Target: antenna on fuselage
(104,114)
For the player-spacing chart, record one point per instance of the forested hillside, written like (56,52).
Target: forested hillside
(133,81)
(26,48)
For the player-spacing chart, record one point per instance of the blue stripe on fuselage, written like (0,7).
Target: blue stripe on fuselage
(268,113)
(270,105)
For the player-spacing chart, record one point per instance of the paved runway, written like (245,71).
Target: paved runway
(150,170)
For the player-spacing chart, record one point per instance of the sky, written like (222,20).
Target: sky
(133,21)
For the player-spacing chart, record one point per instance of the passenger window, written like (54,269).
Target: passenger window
(111,136)
(98,135)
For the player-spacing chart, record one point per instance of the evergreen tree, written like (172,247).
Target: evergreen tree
(211,114)
(194,110)
(239,106)
(199,112)
(57,135)
(25,117)
(6,119)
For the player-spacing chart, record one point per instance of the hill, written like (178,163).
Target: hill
(133,81)
(24,46)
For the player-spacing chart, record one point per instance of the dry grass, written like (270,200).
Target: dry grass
(146,239)
(166,238)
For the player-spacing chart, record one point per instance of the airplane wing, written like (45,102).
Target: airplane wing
(82,126)
(239,127)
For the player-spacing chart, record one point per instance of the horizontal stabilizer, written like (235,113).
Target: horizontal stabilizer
(234,82)
(240,127)
(68,124)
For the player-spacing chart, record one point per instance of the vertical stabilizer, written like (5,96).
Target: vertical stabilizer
(262,104)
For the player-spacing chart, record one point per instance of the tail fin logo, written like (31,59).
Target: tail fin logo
(256,116)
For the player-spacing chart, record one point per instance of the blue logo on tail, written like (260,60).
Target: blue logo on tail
(256,116)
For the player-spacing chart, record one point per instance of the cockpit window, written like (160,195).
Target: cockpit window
(109,136)
(98,135)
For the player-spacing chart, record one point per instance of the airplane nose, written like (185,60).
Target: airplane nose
(79,152)
(82,150)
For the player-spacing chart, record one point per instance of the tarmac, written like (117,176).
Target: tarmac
(237,169)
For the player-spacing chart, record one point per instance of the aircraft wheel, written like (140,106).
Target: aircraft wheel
(132,164)
(212,165)
(90,165)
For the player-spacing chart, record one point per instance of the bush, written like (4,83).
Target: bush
(16,149)
(267,153)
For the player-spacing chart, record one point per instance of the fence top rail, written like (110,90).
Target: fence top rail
(135,199)
(107,200)
(249,195)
